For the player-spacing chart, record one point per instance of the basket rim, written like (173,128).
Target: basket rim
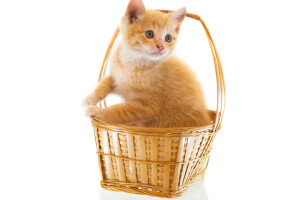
(173,131)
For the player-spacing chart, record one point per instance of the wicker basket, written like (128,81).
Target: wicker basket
(159,162)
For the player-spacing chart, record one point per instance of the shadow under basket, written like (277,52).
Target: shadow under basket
(160,162)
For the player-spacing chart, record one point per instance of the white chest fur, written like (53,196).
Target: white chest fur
(122,79)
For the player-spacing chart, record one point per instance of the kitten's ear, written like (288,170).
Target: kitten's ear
(178,16)
(135,9)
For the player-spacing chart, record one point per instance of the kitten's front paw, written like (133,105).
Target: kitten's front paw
(91,100)
(93,111)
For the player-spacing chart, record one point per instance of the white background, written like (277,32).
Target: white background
(50,57)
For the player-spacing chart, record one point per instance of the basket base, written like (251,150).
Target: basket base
(196,192)
(148,189)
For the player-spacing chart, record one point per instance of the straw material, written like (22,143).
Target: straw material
(160,162)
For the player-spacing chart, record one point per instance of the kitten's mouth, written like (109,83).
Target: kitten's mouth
(159,53)
(156,55)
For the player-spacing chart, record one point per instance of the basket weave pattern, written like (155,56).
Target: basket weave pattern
(156,164)
(161,162)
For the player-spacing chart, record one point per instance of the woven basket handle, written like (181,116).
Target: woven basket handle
(217,63)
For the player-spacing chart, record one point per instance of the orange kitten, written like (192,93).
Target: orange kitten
(159,89)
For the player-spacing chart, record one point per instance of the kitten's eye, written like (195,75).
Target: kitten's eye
(149,34)
(168,38)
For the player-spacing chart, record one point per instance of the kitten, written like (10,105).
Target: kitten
(159,89)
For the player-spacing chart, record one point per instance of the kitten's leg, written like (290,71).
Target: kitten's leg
(103,88)
(212,115)
(123,113)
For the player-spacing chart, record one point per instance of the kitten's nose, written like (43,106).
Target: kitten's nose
(160,47)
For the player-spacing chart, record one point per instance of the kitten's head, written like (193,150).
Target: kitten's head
(148,33)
